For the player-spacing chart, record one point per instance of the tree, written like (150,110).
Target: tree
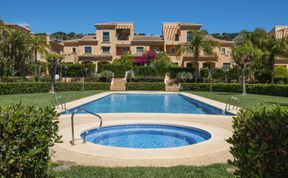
(5,33)
(38,45)
(162,64)
(18,49)
(244,54)
(125,60)
(199,43)
(271,48)
(54,59)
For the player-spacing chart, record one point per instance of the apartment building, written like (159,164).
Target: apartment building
(53,46)
(112,40)
(280,32)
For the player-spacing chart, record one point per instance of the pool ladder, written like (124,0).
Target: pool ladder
(72,123)
(234,102)
(58,100)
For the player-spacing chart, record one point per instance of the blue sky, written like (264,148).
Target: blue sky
(79,16)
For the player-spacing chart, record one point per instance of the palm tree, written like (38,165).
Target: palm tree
(244,54)
(270,46)
(38,45)
(198,43)
(276,48)
(54,59)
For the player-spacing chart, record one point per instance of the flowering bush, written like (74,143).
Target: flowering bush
(146,58)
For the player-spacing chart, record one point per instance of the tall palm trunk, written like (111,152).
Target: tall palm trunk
(243,81)
(36,65)
(196,71)
(196,54)
(272,62)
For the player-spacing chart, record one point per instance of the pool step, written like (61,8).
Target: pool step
(118,85)
(171,86)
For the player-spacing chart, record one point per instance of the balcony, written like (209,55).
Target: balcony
(122,38)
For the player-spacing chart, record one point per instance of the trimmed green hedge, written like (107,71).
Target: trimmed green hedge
(260,142)
(26,133)
(263,89)
(153,86)
(42,87)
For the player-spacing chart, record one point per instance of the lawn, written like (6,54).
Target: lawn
(212,171)
(245,100)
(44,99)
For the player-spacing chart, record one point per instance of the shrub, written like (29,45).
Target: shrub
(130,75)
(184,76)
(142,71)
(162,64)
(260,142)
(107,75)
(76,70)
(175,70)
(118,70)
(148,79)
(263,89)
(280,72)
(125,60)
(42,87)
(153,86)
(26,133)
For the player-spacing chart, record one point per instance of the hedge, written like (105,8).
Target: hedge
(151,86)
(42,87)
(263,89)
(175,70)
(26,133)
(260,142)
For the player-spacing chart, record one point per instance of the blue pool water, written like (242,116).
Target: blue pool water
(148,103)
(146,136)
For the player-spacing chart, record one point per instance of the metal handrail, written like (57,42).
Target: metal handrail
(233,101)
(72,123)
(58,100)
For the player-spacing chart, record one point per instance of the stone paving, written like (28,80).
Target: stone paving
(215,150)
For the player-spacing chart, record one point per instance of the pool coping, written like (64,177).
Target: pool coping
(215,144)
(214,150)
(82,101)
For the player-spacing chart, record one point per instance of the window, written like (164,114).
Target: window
(173,51)
(223,51)
(176,37)
(226,66)
(106,49)
(139,49)
(73,50)
(88,49)
(156,50)
(106,37)
(189,36)
(189,65)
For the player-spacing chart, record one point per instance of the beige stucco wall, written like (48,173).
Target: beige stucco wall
(170,41)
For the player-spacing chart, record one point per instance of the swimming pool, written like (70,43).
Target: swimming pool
(148,103)
(146,136)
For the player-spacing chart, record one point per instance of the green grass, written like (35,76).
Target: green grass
(212,171)
(245,100)
(44,99)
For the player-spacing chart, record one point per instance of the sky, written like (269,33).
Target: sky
(216,16)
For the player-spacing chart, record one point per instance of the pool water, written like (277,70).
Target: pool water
(146,136)
(148,103)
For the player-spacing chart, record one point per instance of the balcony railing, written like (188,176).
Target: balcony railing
(123,38)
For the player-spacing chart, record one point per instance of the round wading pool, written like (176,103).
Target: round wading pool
(147,136)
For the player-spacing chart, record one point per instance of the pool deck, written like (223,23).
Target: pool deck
(214,150)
